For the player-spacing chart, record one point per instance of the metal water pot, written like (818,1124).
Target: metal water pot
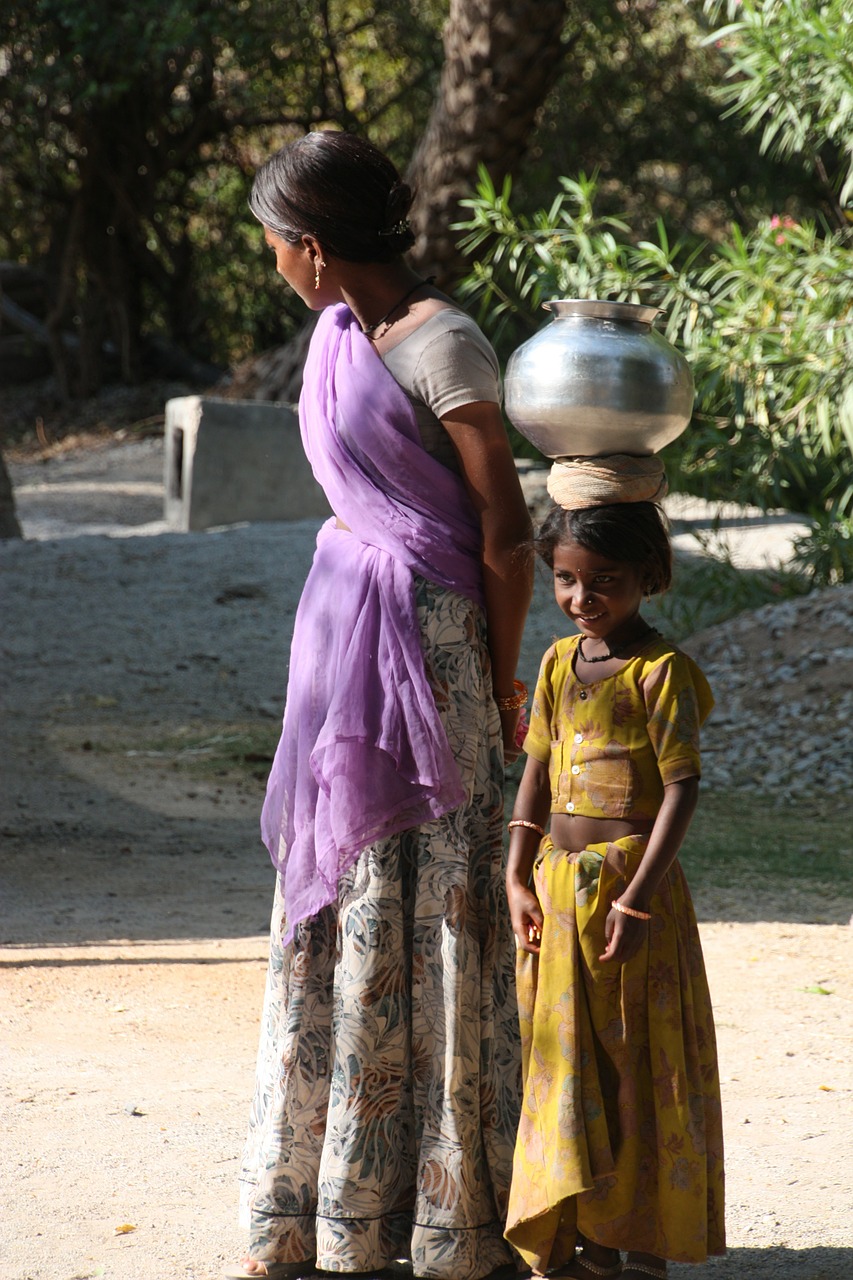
(598,379)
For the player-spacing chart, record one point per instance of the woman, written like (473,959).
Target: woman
(386,1103)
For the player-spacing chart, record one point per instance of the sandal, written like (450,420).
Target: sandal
(644,1269)
(590,1269)
(272,1271)
(596,1269)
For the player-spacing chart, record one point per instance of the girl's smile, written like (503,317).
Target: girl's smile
(601,596)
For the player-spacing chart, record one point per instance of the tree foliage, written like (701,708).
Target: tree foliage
(148,122)
(129,135)
(790,75)
(637,105)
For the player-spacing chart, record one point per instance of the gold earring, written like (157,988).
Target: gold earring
(319,264)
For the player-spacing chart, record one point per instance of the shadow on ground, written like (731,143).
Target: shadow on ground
(772,1264)
(82,863)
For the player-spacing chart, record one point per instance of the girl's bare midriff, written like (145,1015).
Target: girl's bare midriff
(574,831)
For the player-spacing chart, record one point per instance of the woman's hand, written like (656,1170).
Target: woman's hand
(526,915)
(509,733)
(624,936)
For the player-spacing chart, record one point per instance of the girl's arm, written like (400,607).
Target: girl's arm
(490,475)
(532,803)
(625,934)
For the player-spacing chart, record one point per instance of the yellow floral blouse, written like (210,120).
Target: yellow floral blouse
(613,745)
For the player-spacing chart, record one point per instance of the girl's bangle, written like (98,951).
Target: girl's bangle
(629,911)
(517,701)
(523,822)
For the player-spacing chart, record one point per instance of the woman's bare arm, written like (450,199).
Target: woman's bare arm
(489,472)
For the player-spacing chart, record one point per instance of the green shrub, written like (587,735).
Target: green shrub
(765,316)
(766,321)
(826,554)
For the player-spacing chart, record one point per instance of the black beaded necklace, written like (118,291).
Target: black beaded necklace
(615,653)
(371,328)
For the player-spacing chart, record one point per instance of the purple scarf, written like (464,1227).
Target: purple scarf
(363,753)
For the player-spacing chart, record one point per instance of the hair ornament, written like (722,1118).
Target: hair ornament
(401,228)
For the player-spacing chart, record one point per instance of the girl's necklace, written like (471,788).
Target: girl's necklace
(371,328)
(615,653)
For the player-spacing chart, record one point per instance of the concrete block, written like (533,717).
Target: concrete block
(230,461)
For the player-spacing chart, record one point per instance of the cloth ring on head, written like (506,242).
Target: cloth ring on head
(596,482)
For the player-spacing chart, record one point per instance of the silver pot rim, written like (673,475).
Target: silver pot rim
(598,309)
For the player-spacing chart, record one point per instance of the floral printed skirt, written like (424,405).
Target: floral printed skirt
(620,1137)
(387,1095)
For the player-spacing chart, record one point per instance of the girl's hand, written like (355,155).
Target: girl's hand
(526,915)
(624,936)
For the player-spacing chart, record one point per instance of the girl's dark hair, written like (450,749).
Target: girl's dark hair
(632,532)
(340,189)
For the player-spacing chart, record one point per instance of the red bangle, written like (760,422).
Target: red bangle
(517,701)
(629,911)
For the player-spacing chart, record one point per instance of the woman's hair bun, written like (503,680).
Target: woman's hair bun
(339,188)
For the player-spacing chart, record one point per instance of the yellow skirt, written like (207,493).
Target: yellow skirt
(620,1137)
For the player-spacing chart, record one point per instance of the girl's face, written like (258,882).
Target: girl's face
(599,595)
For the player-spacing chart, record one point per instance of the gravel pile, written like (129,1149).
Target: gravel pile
(783,680)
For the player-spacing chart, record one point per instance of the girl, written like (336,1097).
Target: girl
(620,1142)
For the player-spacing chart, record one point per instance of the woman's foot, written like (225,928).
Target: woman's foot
(639,1266)
(254,1269)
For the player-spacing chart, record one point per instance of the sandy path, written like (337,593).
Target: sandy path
(167,1030)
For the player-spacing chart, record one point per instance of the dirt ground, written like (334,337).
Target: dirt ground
(135,899)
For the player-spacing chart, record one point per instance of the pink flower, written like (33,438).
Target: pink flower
(521,730)
(785,222)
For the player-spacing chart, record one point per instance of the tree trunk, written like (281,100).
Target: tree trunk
(501,59)
(9,527)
